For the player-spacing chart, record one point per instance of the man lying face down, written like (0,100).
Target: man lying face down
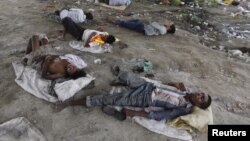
(86,35)
(116,2)
(76,14)
(54,66)
(155,101)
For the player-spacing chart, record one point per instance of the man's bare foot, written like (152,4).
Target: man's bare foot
(111,19)
(121,45)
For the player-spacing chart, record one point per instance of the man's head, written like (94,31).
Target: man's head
(235,3)
(109,39)
(89,16)
(71,69)
(200,99)
(57,12)
(73,72)
(170,26)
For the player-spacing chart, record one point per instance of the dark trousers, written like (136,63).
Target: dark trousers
(135,25)
(104,1)
(74,29)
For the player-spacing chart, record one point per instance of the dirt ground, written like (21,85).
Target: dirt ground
(178,57)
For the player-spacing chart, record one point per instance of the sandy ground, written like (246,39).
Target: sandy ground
(178,57)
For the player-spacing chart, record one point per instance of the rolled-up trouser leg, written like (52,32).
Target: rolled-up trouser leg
(130,79)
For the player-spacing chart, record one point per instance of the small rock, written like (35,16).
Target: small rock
(205,23)
(98,61)
(78,2)
(197,27)
(221,47)
(92,10)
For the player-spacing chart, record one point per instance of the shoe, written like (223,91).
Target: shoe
(113,112)
(137,69)
(115,70)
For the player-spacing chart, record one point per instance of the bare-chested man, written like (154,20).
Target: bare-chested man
(55,66)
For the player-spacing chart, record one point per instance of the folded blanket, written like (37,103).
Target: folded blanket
(161,127)
(199,120)
(31,81)
(20,129)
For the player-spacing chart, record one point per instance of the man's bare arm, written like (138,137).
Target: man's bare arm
(35,42)
(178,85)
(132,113)
(53,76)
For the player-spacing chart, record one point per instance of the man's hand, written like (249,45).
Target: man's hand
(37,59)
(178,85)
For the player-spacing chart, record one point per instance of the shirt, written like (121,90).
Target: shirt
(167,103)
(74,60)
(119,2)
(154,28)
(77,15)
(173,97)
(88,32)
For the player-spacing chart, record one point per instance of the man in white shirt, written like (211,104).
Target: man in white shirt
(116,2)
(86,35)
(76,14)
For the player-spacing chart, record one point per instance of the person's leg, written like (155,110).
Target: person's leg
(104,1)
(244,49)
(71,27)
(126,78)
(134,20)
(139,97)
(135,25)
(29,47)
(130,79)
(35,43)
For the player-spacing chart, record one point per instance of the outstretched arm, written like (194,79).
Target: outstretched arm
(169,113)
(53,76)
(132,113)
(35,43)
(178,85)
